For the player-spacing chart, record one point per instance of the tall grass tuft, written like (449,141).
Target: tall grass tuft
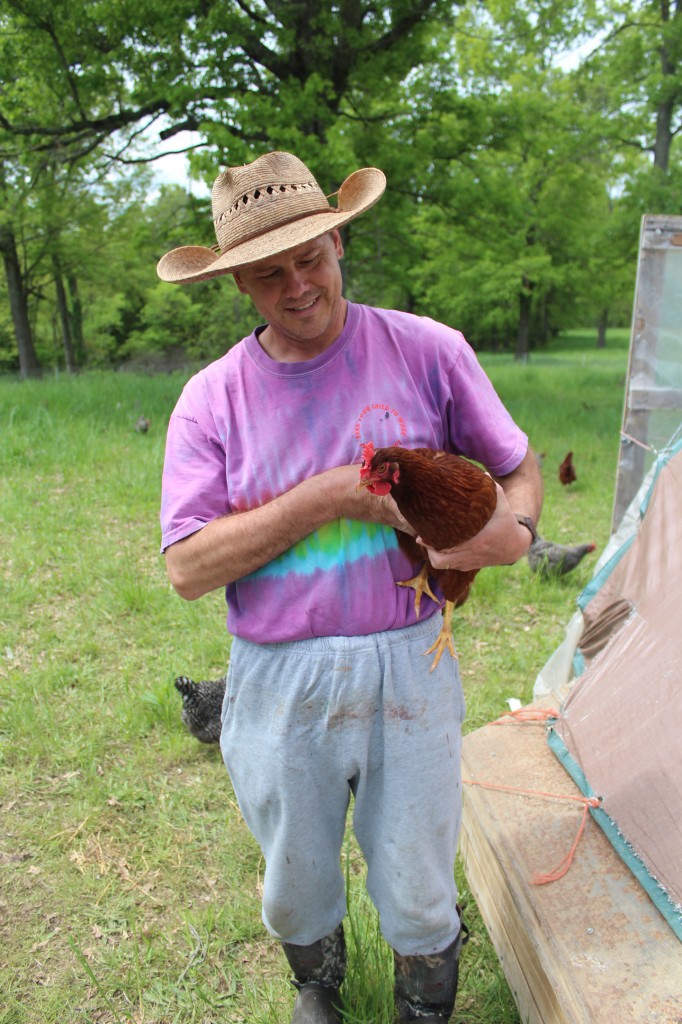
(130,885)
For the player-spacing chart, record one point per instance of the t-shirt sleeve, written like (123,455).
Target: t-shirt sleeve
(478,422)
(194,484)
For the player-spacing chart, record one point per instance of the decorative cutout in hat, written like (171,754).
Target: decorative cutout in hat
(265,208)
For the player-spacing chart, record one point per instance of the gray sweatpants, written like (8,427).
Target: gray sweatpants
(307,723)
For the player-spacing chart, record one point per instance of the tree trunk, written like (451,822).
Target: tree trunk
(523,336)
(664,135)
(28,360)
(602,324)
(666,106)
(64,318)
(76,320)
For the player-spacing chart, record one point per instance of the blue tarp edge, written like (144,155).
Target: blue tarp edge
(670,911)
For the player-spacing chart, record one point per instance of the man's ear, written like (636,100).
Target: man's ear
(338,244)
(238,282)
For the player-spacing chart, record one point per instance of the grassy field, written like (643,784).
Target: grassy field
(130,887)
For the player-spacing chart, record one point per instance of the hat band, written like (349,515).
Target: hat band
(266,208)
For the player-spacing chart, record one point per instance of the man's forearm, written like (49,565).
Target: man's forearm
(236,545)
(231,547)
(523,488)
(502,540)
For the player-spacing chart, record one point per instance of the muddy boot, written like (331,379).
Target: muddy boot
(426,986)
(318,973)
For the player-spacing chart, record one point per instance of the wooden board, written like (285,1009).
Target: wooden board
(590,948)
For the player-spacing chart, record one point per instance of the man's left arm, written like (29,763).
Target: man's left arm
(523,489)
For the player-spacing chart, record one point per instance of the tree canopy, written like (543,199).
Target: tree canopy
(517,175)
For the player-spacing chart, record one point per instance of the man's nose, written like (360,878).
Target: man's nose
(296,282)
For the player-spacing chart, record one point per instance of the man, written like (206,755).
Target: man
(329,693)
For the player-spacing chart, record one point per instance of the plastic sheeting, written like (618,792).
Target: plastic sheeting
(652,406)
(621,722)
(620,727)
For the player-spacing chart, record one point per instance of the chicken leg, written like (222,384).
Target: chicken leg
(420,582)
(444,638)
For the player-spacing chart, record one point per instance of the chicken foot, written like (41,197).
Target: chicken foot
(420,582)
(444,638)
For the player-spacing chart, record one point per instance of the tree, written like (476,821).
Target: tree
(90,79)
(511,182)
(28,360)
(216,67)
(633,78)
(515,183)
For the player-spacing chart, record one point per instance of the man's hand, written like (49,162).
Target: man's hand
(369,507)
(501,541)
(383,509)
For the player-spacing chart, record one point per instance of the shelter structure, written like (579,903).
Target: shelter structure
(603,942)
(618,731)
(652,407)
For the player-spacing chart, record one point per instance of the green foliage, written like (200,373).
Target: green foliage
(168,318)
(516,182)
(129,878)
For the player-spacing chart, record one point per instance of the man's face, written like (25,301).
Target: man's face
(298,293)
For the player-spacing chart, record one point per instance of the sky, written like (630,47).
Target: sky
(172,169)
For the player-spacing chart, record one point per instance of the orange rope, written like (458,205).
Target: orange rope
(587,801)
(629,437)
(526,715)
(562,867)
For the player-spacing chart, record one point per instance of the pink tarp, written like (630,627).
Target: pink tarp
(622,721)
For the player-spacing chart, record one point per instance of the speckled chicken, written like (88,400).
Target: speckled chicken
(549,559)
(202,704)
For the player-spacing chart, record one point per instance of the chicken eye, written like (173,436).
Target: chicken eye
(382,468)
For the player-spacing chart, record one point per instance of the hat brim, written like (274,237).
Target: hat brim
(360,191)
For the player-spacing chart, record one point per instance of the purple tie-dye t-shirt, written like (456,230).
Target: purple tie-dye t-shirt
(247,429)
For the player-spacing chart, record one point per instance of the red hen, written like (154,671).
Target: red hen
(567,471)
(447,500)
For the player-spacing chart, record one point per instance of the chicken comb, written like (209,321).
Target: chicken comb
(367,452)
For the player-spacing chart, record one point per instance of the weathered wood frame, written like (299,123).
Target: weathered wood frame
(659,237)
(590,948)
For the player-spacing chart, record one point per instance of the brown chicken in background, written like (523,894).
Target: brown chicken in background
(447,500)
(566,470)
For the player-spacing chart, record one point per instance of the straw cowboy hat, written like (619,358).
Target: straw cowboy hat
(265,208)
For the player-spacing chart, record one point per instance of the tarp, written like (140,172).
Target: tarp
(619,731)
(653,389)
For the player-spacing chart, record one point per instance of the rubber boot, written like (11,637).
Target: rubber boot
(318,973)
(426,986)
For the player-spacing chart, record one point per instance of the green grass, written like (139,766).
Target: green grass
(130,887)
